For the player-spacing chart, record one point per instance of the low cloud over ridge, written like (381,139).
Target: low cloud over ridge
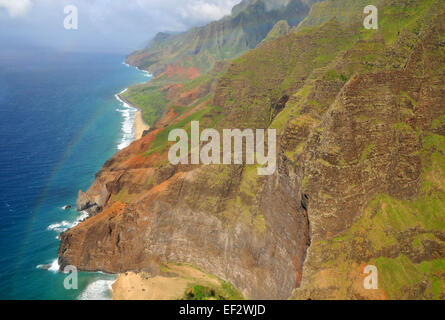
(105,24)
(16,8)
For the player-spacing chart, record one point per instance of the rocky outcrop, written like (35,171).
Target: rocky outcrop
(359,179)
(94,200)
(83,203)
(184,220)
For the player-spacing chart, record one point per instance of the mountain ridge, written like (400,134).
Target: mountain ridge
(361,133)
(224,39)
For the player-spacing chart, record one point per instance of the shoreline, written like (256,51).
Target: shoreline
(106,285)
(169,282)
(139,124)
(99,284)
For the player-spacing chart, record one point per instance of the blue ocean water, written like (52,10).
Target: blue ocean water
(59,122)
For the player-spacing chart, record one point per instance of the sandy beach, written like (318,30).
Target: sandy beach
(168,285)
(132,286)
(139,125)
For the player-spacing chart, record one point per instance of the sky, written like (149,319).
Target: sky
(103,25)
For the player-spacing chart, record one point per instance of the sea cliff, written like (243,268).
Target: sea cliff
(359,180)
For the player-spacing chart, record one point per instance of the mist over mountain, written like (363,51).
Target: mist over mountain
(105,26)
(225,39)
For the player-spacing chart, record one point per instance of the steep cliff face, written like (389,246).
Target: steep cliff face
(368,167)
(248,25)
(258,247)
(360,179)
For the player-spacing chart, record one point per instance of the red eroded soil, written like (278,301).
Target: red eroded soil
(181,72)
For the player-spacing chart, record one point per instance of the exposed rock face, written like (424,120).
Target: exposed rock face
(171,223)
(370,142)
(280,29)
(359,179)
(225,39)
(82,201)
(99,193)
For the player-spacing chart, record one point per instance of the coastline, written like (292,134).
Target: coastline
(102,123)
(167,282)
(142,286)
(102,288)
(139,124)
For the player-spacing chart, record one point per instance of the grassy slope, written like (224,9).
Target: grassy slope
(201,48)
(224,39)
(280,29)
(292,65)
(387,221)
(150,99)
(261,76)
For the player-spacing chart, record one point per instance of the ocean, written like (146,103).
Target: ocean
(59,122)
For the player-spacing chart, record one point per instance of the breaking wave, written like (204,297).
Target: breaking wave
(127,126)
(97,290)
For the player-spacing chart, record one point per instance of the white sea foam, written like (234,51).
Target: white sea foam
(128,115)
(60,227)
(97,290)
(146,73)
(82,217)
(128,131)
(53,266)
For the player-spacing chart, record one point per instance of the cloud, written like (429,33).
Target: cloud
(16,8)
(120,25)
(191,10)
(209,10)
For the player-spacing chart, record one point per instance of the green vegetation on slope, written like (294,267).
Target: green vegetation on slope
(201,292)
(280,29)
(205,118)
(395,235)
(225,39)
(149,99)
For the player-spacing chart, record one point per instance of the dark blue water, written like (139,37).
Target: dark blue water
(59,122)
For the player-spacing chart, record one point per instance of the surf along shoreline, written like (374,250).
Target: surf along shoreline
(139,124)
(104,286)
